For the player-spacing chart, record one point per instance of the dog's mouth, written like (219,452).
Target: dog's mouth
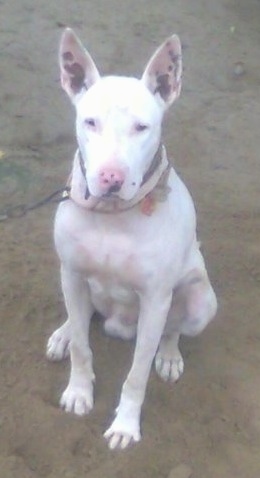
(112,191)
(110,195)
(153,188)
(113,199)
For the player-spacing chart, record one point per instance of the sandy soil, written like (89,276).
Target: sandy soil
(208,425)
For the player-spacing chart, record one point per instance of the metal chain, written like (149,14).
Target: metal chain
(22,209)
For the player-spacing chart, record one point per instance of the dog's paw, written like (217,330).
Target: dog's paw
(77,399)
(122,433)
(168,368)
(58,343)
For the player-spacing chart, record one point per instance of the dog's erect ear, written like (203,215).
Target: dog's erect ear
(162,75)
(77,68)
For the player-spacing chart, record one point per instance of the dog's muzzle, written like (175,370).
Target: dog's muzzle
(154,187)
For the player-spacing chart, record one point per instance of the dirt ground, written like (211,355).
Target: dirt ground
(207,425)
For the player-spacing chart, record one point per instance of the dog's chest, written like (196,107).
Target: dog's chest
(108,254)
(103,251)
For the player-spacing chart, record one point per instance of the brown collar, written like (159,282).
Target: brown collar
(153,189)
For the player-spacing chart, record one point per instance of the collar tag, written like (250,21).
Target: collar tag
(148,204)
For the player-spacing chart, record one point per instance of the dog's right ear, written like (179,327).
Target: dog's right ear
(77,68)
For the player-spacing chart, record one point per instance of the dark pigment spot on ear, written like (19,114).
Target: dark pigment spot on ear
(170,68)
(163,86)
(67,56)
(77,75)
(175,59)
(174,56)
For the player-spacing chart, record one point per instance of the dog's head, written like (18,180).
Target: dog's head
(119,118)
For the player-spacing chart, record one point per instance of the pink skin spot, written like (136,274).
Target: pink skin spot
(111,179)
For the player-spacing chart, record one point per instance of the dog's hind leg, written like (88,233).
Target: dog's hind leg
(194,306)
(58,343)
(169,362)
(200,304)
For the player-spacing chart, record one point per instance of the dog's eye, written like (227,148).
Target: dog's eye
(139,127)
(90,122)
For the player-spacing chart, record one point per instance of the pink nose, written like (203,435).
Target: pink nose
(111,180)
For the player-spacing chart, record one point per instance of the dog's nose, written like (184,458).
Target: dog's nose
(111,180)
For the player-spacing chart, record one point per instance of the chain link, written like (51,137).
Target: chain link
(21,210)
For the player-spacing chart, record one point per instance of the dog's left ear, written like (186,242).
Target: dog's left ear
(77,68)
(162,75)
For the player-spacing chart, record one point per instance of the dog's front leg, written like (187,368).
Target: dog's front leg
(78,396)
(154,308)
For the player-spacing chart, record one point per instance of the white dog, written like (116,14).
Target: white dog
(126,236)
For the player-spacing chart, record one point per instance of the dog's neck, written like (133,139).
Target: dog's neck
(153,188)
